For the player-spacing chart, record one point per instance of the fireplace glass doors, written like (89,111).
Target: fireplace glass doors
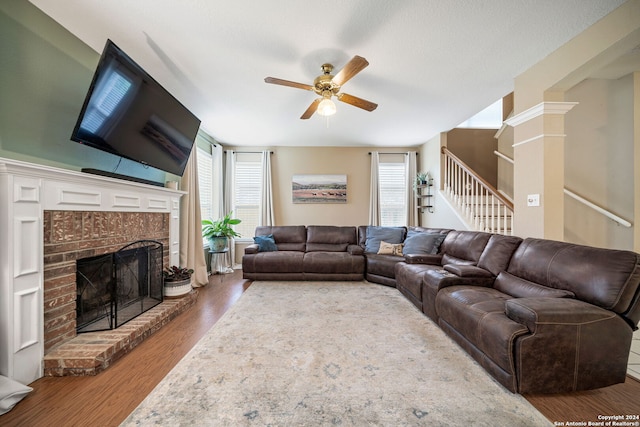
(117,287)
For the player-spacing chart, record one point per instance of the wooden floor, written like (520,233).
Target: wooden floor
(108,398)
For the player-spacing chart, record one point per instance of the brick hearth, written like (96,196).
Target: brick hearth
(93,352)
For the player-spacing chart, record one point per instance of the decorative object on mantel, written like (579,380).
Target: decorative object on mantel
(218,232)
(177,281)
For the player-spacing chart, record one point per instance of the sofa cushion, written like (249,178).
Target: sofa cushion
(497,254)
(265,243)
(382,264)
(520,288)
(328,238)
(332,263)
(478,314)
(390,248)
(273,262)
(377,234)
(463,247)
(422,243)
(605,277)
(287,237)
(327,247)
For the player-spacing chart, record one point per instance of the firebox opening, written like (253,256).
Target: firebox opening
(117,287)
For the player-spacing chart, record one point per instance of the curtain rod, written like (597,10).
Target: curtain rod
(405,153)
(249,152)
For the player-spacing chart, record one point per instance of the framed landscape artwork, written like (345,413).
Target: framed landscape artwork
(319,188)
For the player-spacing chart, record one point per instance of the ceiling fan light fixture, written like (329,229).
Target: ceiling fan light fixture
(326,107)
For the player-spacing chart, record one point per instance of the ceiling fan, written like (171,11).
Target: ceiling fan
(328,85)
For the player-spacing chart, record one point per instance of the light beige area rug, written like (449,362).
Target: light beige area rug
(329,353)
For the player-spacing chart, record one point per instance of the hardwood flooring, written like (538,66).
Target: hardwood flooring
(108,398)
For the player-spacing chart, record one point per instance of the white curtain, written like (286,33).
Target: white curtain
(411,171)
(191,253)
(374,192)
(266,201)
(229,196)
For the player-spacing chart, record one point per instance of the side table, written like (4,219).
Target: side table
(220,262)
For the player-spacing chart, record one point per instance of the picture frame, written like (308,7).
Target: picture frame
(319,188)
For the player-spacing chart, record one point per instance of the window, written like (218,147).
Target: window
(393,182)
(205,183)
(247,193)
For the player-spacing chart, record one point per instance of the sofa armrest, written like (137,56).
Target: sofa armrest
(251,249)
(533,312)
(355,250)
(462,270)
(423,259)
(573,345)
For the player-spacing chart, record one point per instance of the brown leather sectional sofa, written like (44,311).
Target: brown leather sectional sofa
(540,316)
(316,252)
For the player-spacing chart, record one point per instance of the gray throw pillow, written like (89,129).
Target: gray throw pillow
(422,243)
(376,234)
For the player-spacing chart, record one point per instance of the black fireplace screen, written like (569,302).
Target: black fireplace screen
(115,288)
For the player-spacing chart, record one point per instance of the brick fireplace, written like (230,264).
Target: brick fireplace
(49,217)
(69,236)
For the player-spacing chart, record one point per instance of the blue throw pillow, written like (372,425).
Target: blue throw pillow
(422,243)
(265,243)
(375,235)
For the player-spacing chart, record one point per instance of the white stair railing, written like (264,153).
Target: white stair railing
(481,206)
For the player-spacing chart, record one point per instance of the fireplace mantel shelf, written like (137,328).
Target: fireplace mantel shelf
(26,191)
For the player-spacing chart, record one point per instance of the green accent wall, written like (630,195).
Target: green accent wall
(45,72)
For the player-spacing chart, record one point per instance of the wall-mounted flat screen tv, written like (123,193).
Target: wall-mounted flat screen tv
(127,113)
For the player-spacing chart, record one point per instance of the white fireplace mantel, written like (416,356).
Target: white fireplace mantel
(26,191)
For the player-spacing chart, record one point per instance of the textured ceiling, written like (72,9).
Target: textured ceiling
(433,63)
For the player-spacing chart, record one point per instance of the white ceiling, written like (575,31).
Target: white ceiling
(433,63)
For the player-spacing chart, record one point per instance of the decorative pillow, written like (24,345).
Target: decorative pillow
(423,243)
(390,248)
(11,392)
(375,235)
(265,243)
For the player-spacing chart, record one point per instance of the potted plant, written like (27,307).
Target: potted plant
(218,232)
(177,281)
(422,178)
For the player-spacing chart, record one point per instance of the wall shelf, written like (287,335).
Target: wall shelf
(424,198)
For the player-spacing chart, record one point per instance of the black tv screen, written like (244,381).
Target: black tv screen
(127,113)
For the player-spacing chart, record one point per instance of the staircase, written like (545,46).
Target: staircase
(478,204)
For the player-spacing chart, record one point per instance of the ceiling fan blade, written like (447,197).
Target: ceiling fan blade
(352,68)
(281,82)
(312,109)
(357,102)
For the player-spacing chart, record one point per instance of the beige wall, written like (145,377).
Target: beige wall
(599,161)
(430,161)
(505,168)
(539,153)
(354,162)
(475,147)
(636,160)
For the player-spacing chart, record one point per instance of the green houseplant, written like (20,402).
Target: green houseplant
(422,178)
(218,232)
(176,281)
